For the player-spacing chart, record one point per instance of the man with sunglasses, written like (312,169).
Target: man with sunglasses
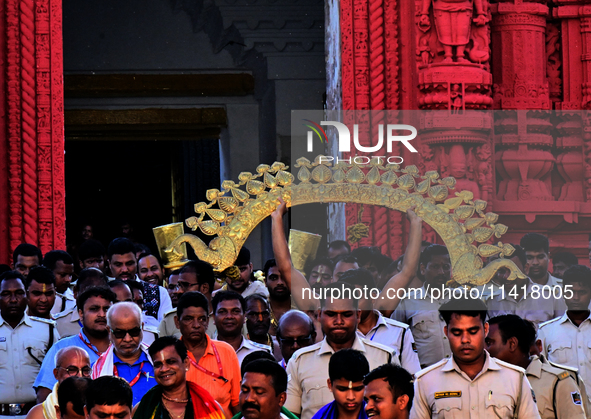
(127,357)
(69,362)
(195,275)
(295,331)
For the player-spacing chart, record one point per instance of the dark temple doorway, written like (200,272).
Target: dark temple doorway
(145,175)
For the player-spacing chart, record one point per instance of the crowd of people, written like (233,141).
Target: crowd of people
(109,333)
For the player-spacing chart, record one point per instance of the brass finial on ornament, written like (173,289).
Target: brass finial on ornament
(164,236)
(303,247)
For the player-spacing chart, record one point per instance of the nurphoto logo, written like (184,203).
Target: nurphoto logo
(386,137)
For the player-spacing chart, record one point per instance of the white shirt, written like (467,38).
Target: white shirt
(426,325)
(248,346)
(18,346)
(391,333)
(533,306)
(565,343)
(255,287)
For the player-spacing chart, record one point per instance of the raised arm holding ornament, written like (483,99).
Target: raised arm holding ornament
(386,302)
(294,279)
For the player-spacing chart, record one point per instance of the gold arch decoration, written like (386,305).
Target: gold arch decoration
(461,221)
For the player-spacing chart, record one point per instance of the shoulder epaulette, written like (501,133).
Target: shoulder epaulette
(431,368)
(150,329)
(39,319)
(396,323)
(511,366)
(561,374)
(548,322)
(306,350)
(377,345)
(261,345)
(563,367)
(62,314)
(173,311)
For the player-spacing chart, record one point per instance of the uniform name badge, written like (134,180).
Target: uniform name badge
(447,394)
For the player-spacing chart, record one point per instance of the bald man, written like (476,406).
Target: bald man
(126,357)
(295,331)
(69,362)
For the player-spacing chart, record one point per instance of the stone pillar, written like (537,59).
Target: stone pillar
(453,69)
(523,141)
(370,80)
(34,208)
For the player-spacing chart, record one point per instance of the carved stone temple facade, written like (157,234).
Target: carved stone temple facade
(512,56)
(533,168)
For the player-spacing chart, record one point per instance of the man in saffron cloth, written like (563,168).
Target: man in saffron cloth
(174,397)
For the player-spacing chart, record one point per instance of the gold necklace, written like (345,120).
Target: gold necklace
(172,414)
(174,400)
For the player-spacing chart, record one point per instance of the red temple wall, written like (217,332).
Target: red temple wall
(32,204)
(536,171)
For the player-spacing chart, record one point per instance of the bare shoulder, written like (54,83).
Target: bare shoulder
(36,412)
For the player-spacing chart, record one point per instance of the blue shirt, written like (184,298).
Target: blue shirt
(127,372)
(45,377)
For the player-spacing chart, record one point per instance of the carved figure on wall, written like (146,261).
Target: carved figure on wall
(453,21)
(424,51)
(458,168)
(456,100)
(426,162)
(553,61)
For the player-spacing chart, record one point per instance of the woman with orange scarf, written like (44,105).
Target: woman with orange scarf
(174,397)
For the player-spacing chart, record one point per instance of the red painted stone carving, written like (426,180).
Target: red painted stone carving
(35,143)
(533,168)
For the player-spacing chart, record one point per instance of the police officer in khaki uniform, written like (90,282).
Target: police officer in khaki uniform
(566,339)
(68,321)
(307,388)
(471,384)
(574,373)
(557,394)
(24,341)
(193,276)
(420,309)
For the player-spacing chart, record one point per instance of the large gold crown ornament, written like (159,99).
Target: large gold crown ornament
(232,213)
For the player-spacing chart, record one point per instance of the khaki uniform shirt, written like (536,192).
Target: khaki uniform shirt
(580,383)
(565,343)
(537,310)
(556,392)
(426,325)
(63,302)
(395,335)
(68,322)
(168,328)
(307,372)
(248,346)
(499,391)
(18,349)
